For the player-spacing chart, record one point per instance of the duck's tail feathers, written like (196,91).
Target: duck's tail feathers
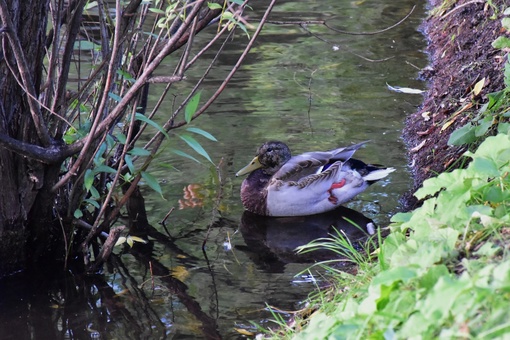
(378,174)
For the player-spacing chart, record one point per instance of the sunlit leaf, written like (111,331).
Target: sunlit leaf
(120,241)
(191,107)
(203,133)
(157,11)
(139,116)
(478,87)
(193,143)
(129,241)
(138,239)
(213,5)
(152,182)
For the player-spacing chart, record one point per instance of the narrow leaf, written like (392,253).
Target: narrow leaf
(129,163)
(88,179)
(152,182)
(196,146)
(139,152)
(114,96)
(214,5)
(184,154)
(191,107)
(203,133)
(139,116)
(105,168)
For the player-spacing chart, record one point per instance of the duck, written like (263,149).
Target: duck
(281,185)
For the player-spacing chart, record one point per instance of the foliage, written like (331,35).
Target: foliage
(95,124)
(418,286)
(494,115)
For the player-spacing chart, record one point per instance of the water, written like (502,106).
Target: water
(312,94)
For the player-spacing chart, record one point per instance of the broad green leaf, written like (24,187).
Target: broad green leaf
(196,146)
(463,135)
(501,43)
(88,179)
(203,133)
(184,154)
(78,213)
(121,137)
(139,116)
(139,152)
(92,203)
(505,22)
(152,182)
(191,107)
(94,192)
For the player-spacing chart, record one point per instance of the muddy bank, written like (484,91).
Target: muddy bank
(461,54)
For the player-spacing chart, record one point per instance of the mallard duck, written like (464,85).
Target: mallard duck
(311,183)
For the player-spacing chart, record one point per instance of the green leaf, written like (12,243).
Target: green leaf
(152,182)
(122,138)
(114,96)
(213,5)
(203,133)
(463,135)
(88,179)
(94,192)
(191,107)
(139,152)
(105,168)
(196,146)
(78,213)
(184,154)
(505,22)
(129,163)
(139,116)
(501,43)
(92,202)
(157,11)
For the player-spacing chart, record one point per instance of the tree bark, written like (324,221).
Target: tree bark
(21,178)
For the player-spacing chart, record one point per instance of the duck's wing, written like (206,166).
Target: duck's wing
(313,163)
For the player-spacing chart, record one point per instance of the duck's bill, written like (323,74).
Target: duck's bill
(253,165)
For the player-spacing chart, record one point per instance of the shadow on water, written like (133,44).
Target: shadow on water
(271,242)
(124,304)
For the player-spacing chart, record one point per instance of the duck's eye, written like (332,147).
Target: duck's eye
(269,149)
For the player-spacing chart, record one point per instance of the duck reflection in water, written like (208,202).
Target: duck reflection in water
(271,242)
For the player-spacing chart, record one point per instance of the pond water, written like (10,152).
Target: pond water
(314,94)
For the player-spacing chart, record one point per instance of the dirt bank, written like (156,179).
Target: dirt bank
(461,54)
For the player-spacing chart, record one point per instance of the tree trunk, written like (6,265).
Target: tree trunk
(21,177)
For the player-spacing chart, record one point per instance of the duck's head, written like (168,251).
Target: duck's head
(270,157)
